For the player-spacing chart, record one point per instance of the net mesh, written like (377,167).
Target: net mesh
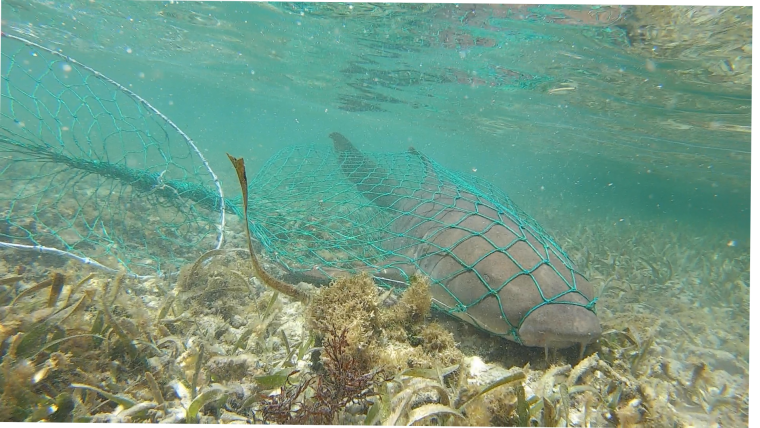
(312,217)
(90,170)
(323,215)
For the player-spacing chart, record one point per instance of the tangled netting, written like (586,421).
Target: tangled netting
(313,218)
(392,215)
(92,171)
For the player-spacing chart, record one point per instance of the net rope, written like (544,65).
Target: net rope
(90,170)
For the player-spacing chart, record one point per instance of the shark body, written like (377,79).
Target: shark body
(489,269)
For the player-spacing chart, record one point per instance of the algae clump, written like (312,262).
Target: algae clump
(391,337)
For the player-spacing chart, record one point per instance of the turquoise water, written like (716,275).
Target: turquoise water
(481,89)
(624,132)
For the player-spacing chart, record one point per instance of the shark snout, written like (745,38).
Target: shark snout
(560,326)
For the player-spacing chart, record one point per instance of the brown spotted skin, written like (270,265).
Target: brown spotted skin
(452,233)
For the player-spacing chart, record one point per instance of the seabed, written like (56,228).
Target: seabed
(215,345)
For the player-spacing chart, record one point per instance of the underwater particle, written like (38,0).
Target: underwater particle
(66,68)
(732,243)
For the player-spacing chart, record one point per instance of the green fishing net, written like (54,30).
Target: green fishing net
(385,214)
(312,218)
(91,171)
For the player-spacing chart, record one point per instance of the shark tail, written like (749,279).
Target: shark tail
(372,180)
